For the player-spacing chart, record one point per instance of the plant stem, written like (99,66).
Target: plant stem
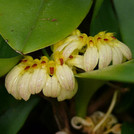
(44,51)
(108,112)
(60,114)
(117,87)
(101,101)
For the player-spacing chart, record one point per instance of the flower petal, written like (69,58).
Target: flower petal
(66,94)
(32,83)
(61,47)
(102,56)
(52,87)
(23,85)
(11,76)
(63,43)
(125,50)
(41,80)
(14,89)
(77,61)
(117,56)
(90,58)
(70,48)
(109,54)
(65,77)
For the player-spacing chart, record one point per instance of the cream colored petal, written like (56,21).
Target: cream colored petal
(23,86)
(15,71)
(125,50)
(90,58)
(117,56)
(61,77)
(109,55)
(14,88)
(60,48)
(41,80)
(32,83)
(66,42)
(65,77)
(52,87)
(72,38)
(11,76)
(102,56)
(66,94)
(70,48)
(77,61)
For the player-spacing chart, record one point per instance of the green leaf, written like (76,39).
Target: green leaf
(5,50)
(30,25)
(103,18)
(87,87)
(13,113)
(122,73)
(125,13)
(7,63)
(97,6)
(8,57)
(127,128)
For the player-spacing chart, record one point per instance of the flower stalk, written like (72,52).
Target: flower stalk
(108,112)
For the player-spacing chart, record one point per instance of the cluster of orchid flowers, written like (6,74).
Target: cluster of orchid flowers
(55,77)
(31,76)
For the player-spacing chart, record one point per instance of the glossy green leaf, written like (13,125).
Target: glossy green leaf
(5,50)
(122,73)
(87,87)
(7,63)
(30,25)
(13,113)
(104,18)
(125,13)
(8,57)
(127,128)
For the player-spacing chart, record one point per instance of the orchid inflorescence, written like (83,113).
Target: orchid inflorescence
(30,76)
(55,77)
(86,52)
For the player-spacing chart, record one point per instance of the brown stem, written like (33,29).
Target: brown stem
(60,114)
(117,86)
(101,101)
(106,96)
